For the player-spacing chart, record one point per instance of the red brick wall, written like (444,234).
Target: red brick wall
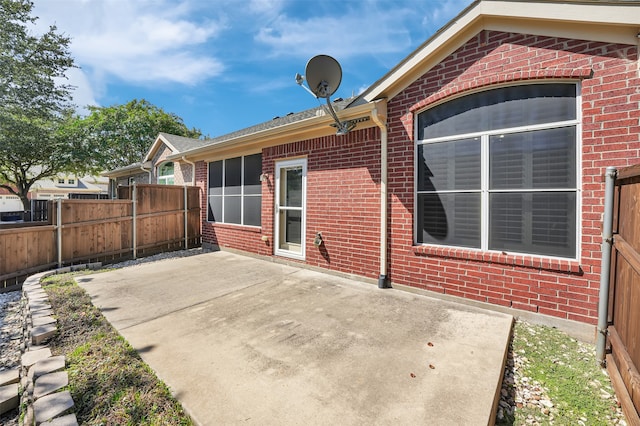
(343,174)
(610,136)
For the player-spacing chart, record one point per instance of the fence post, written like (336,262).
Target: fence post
(59,230)
(186,218)
(134,194)
(605,268)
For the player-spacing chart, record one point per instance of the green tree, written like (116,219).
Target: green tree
(122,134)
(33,102)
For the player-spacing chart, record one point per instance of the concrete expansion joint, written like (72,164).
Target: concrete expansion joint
(38,385)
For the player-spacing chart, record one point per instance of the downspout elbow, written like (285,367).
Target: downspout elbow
(193,170)
(146,170)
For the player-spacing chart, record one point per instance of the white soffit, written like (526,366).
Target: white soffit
(595,21)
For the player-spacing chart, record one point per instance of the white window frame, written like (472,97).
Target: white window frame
(485,191)
(163,179)
(242,194)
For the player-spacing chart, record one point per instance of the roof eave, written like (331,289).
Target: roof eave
(127,170)
(309,128)
(161,139)
(608,22)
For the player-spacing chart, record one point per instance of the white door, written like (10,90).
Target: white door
(291,183)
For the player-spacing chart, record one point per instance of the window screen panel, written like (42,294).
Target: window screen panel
(292,189)
(449,219)
(541,159)
(533,222)
(214,213)
(554,223)
(215,178)
(252,172)
(452,165)
(233,176)
(554,158)
(500,108)
(232,209)
(293,220)
(252,211)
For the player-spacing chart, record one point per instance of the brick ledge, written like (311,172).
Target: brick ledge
(520,260)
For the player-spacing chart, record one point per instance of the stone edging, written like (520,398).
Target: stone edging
(42,375)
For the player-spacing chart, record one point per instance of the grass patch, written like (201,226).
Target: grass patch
(566,369)
(109,382)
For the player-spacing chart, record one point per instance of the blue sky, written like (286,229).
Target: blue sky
(223,65)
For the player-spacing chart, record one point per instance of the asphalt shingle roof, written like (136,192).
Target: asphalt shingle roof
(181,143)
(338,104)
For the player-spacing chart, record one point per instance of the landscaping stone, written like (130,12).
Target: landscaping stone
(36,305)
(68,420)
(43,320)
(51,406)
(37,295)
(50,383)
(42,313)
(9,398)
(41,333)
(8,377)
(31,357)
(49,365)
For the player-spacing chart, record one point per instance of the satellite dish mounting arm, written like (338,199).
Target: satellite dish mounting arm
(323,75)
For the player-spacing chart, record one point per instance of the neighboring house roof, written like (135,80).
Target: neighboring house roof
(595,20)
(85,184)
(175,143)
(128,170)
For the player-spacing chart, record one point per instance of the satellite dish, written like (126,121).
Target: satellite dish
(323,75)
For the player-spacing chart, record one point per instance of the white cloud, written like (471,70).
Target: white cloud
(141,42)
(362,31)
(365,27)
(266,7)
(443,12)
(83,94)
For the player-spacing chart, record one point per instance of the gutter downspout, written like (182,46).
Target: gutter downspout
(193,170)
(381,122)
(605,268)
(145,170)
(186,199)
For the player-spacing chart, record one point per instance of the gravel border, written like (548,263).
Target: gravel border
(520,391)
(11,326)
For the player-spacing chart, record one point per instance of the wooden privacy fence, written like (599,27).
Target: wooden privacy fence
(623,332)
(146,219)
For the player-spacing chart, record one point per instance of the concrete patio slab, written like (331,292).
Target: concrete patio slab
(243,340)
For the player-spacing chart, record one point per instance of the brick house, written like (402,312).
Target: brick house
(475,169)
(155,168)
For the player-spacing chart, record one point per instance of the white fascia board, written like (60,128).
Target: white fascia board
(309,128)
(594,12)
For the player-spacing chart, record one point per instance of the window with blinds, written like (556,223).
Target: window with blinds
(496,170)
(235,191)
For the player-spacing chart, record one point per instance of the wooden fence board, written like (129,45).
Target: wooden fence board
(624,303)
(94,229)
